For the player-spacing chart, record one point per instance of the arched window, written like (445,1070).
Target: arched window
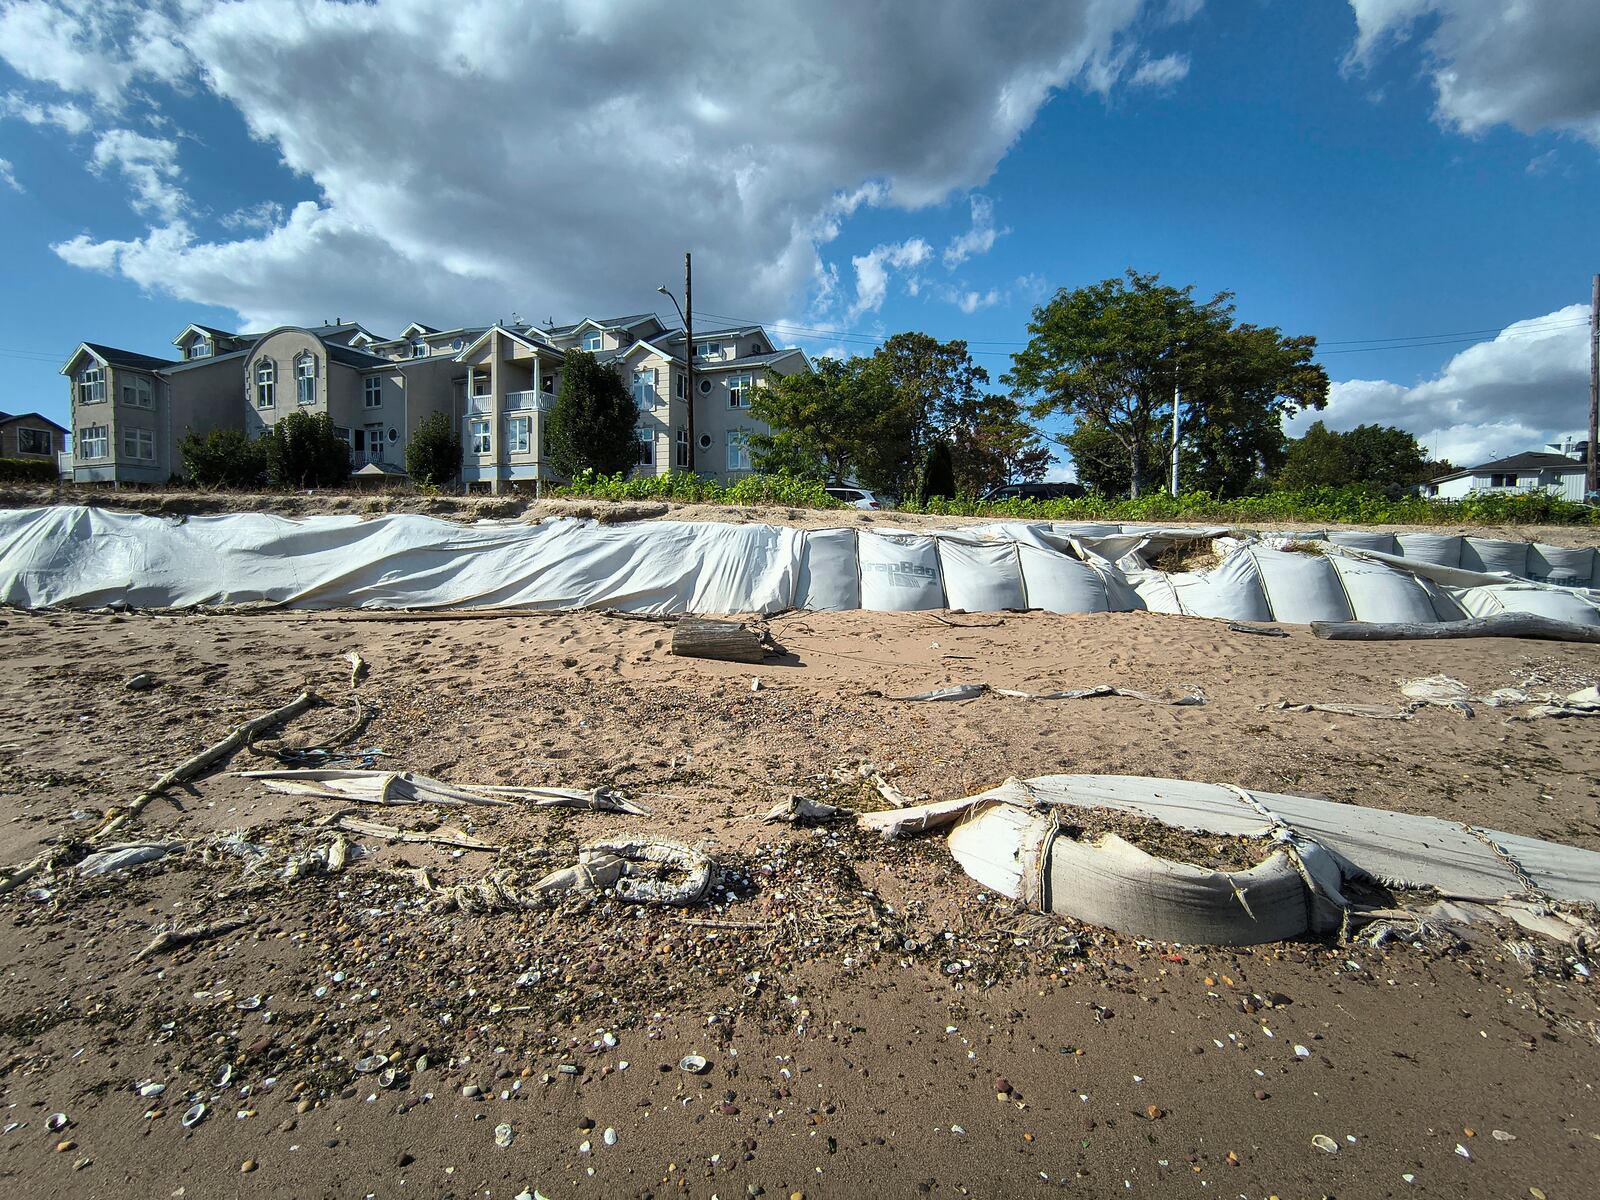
(266,383)
(305,379)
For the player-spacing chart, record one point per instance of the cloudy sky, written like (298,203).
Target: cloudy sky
(1412,181)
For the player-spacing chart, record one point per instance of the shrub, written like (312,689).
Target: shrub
(223,458)
(303,451)
(433,455)
(781,489)
(28,470)
(591,425)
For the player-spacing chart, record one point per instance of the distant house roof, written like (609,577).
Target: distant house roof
(214,332)
(7,418)
(1533,460)
(749,360)
(351,357)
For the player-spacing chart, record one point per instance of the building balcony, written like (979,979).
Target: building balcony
(529,401)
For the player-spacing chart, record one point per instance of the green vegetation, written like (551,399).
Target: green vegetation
(781,489)
(1353,504)
(303,451)
(28,470)
(1375,454)
(223,458)
(433,455)
(1109,356)
(880,420)
(591,426)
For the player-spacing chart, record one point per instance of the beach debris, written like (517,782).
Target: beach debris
(694,1064)
(972,691)
(406,788)
(1441,690)
(444,835)
(196,1114)
(56,1122)
(1376,712)
(190,768)
(798,810)
(609,1137)
(223,1077)
(641,871)
(726,641)
(151,1089)
(504,1135)
(371,1064)
(1258,630)
(1504,624)
(174,939)
(142,682)
(1325,1143)
(123,856)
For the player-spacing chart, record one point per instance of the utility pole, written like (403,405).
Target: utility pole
(688,354)
(1592,478)
(1175,399)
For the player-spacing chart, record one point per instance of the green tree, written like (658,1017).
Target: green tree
(433,455)
(224,458)
(592,426)
(1112,353)
(303,451)
(1377,454)
(841,422)
(992,443)
(937,478)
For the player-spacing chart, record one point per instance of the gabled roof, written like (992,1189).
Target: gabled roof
(113,357)
(519,333)
(1533,460)
(608,323)
(351,357)
(213,332)
(417,327)
(7,418)
(191,364)
(751,360)
(732,331)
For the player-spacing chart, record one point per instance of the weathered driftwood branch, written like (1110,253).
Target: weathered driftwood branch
(1512,625)
(728,641)
(191,767)
(174,939)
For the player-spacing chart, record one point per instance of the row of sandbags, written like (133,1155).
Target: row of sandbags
(1561,565)
(886,572)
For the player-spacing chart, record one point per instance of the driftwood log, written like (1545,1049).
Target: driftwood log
(1512,625)
(728,641)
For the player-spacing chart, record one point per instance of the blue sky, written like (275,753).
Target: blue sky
(1372,173)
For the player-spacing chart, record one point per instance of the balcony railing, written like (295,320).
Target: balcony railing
(479,406)
(529,401)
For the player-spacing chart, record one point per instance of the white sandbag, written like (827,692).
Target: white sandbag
(1495,556)
(1086,529)
(1526,598)
(829,578)
(1059,584)
(899,572)
(1382,594)
(1231,590)
(1301,587)
(1442,549)
(1154,589)
(1446,607)
(1364,539)
(981,576)
(1561,565)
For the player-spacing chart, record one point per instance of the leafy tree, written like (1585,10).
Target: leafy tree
(1111,354)
(592,424)
(876,419)
(1376,454)
(223,458)
(433,455)
(303,451)
(841,422)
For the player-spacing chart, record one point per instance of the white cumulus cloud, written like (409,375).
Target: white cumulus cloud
(467,157)
(8,175)
(150,167)
(1513,393)
(1529,64)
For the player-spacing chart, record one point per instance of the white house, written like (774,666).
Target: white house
(1535,471)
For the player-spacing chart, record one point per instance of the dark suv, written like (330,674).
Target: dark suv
(1037,491)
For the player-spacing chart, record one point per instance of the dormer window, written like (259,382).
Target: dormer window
(592,342)
(419,348)
(200,348)
(305,380)
(708,349)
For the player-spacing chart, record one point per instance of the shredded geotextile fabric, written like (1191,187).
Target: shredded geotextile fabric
(1009,839)
(639,871)
(84,557)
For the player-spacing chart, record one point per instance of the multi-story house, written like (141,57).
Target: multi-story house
(496,384)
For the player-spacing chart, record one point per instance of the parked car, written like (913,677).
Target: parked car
(1037,491)
(856,497)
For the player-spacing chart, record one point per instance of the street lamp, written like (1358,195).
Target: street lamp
(688,350)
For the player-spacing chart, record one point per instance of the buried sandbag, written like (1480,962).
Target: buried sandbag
(406,787)
(1008,838)
(122,857)
(642,871)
